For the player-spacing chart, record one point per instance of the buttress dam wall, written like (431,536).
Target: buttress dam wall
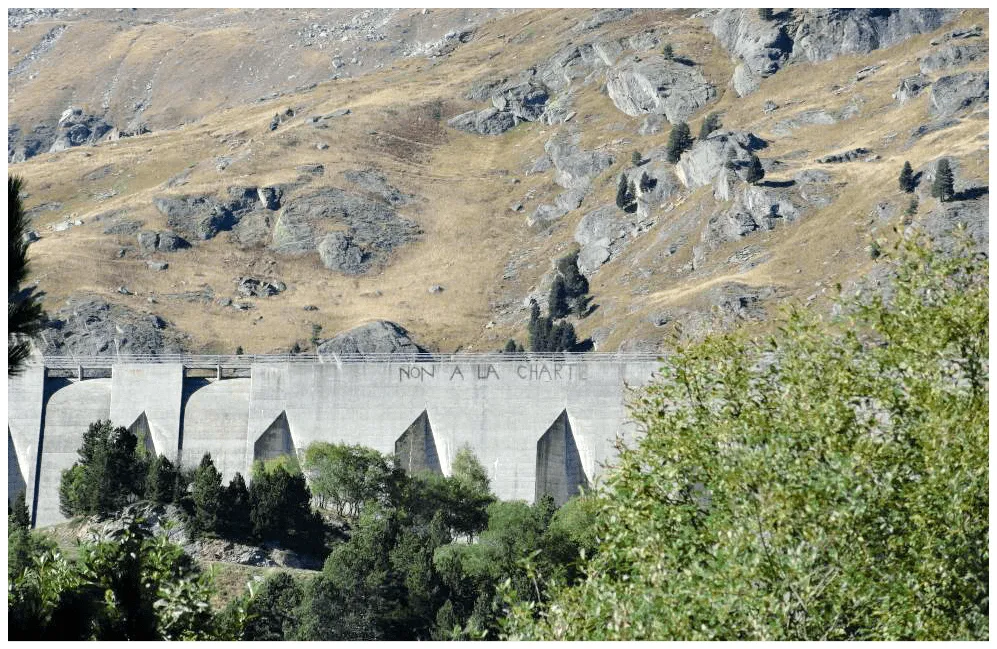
(538,424)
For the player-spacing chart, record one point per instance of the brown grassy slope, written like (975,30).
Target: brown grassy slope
(465,184)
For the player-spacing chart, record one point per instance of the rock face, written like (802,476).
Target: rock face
(910,88)
(490,121)
(575,168)
(763,47)
(89,325)
(952,56)
(252,287)
(359,226)
(376,183)
(707,158)
(197,216)
(754,208)
(77,128)
(149,241)
(941,223)
(659,86)
(953,93)
(378,337)
(846,156)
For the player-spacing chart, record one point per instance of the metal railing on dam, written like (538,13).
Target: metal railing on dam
(247,360)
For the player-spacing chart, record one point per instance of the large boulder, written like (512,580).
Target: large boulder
(659,86)
(490,121)
(76,128)
(910,88)
(952,56)
(380,337)
(91,326)
(953,93)
(600,233)
(338,251)
(198,216)
(707,158)
(525,101)
(575,168)
(762,46)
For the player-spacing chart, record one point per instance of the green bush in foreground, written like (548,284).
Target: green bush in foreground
(828,483)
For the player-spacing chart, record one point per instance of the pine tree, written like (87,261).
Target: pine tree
(510,347)
(907,178)
(679,140)
(710,124)
(558,298)
(17,513)
(236,509)
(635,158)
(944,186)
(622,199)
(161,481)
(207,495)
(25,317)
(668,52)
(755,170)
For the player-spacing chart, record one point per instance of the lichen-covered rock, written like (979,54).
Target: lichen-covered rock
(199,216)
(378,337)
(490,121)
(91,326)
(952,56)
(338,252)
(707,158)
(910,88)
(575,168)
(599,233)
(953,93)
(659,86)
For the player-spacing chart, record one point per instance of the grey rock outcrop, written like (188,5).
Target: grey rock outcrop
(378,337)
(659,86)
(76,128)
(20,146)
(253,287)
(910,88)
(338,252)
(972,216)
(951,94)
(575,168)
(149,241)
(490,121)
(845,156)
(376,183)
(372,226)
(707,158)
(599,234)
(90,326)
(199,216)
(952,56)
(762,46)
(754,208)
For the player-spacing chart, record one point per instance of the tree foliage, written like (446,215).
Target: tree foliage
(906,180)
(207,496)
(343,477)
(280,510)
(943,188)
(679,141)
(755,171)
(25,317)
(109,474)
(710,124)
(830,482)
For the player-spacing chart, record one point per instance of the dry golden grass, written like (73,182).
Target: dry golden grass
(464,186)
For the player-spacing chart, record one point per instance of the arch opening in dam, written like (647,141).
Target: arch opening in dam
(539,424)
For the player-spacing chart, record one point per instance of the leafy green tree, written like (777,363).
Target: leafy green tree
(25,317)
(755,170)
(131,586)
(679,141)
(343,477)
(206,493)
(108,475)
(943,188)
(906,180)
(558,298)
(710,124)
(280,510)
(273,611)
(468,469)
(827,482)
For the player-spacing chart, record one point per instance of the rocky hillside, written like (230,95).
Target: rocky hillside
(213,179)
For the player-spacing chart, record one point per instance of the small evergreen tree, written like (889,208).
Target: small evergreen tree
(755,170)
(907,178)
(17,513)
(207,496)
(235,509)
(679,140)
(161,481)
(25,317)
(710,124)
(635,158)
(622,199)
(510,347)
(944,186)
(558,298)
(668,52)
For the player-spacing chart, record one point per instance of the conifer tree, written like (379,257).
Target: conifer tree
(944,186)
(510,347)
(622,198)
(236,509)
(679,140)
(635,158)
(558,298)
(710,124)
(161,481)
(755,170)
(907,178)
(207,495)
(668,52)
(17,513)
(25,317)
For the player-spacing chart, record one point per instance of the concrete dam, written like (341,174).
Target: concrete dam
(539,423)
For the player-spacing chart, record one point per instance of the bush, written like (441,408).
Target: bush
(668,52)
(829,482)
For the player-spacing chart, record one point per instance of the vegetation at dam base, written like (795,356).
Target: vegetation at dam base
(828,482)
